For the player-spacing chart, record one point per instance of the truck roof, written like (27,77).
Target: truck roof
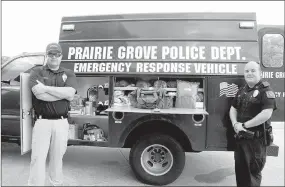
(219,38)
(162,26)
(21,55)
(165,16)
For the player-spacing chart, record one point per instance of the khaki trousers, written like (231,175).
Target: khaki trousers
(49,136)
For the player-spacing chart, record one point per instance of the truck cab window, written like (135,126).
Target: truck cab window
(272,50)
(23,64)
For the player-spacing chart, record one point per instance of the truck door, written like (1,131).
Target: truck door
(10,92)
(221,91)
(26,117)
(271,42)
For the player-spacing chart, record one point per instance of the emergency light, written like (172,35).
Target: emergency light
(68,27)
(246,25)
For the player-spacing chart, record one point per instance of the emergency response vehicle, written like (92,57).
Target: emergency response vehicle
(113,55)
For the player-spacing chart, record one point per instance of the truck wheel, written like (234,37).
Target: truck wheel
(157,159)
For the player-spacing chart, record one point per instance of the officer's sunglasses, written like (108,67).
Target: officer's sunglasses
(52,55)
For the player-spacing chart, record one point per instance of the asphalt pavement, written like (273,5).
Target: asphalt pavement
(109,167)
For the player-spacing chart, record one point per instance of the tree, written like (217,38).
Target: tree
(4,59)
(273,47)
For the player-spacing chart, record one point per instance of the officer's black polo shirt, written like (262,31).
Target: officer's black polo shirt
(249,102)
(60,78)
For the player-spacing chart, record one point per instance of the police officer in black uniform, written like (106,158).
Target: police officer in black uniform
(251,109)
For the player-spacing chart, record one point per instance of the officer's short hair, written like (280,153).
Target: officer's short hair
(258,63)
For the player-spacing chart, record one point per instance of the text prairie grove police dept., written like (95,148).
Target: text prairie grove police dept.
(153,53)
(156,59)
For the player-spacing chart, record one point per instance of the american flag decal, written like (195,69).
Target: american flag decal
(229,90)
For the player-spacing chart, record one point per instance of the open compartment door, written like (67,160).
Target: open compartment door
(26,118)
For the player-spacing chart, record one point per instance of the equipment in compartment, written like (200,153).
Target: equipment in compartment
(73,131)
(122,83)
(92,93)
(88,108)
(146,98)
(160,84)
(142,84)
(186,94)
(165,100)
(106,88)
(92,132)
(101,107)
(76,105)
(151,98)
(171,84)
(120,99)
(91,102)
(171,92)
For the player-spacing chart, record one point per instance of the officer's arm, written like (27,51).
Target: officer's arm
(268,104)
(61,92)
(66,92)
(47,97)
(260,118)
(233,115)
(233,109)
(34,76)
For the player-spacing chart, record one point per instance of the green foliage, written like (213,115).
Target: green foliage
(4,59)
(273,49)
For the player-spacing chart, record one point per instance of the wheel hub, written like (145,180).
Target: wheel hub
(157,155)
(156,160)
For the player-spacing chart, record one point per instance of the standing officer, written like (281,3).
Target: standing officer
(251,108)
(53,88)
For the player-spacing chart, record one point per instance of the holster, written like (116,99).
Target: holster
(268,136)
(245,135)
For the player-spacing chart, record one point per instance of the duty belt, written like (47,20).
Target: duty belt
(243,135)
(51,117)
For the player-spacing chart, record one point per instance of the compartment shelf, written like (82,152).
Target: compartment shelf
(133,88)
(160,111)
(88,116)
(87,143)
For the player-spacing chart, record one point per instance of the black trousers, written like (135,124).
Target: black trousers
(250,158)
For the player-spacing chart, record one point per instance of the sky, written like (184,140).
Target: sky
(28,26)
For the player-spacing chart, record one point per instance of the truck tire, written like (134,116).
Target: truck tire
(157,159)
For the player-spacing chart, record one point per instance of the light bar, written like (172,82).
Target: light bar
(68,27)
(246,25)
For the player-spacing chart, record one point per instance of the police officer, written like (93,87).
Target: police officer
(53,88)
(251,108)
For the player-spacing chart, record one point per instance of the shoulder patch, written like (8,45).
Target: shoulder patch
(265,84)
(68,72)
(270,94)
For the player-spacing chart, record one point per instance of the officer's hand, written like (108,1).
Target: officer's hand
(238,127)
(235,127)
(40,88)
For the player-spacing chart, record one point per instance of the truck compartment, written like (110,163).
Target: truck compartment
(87,117)
(125,86)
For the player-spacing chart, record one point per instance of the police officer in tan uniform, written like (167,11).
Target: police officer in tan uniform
(53,88)
(251,109)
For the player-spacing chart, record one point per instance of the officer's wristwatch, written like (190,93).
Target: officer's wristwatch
(243,125)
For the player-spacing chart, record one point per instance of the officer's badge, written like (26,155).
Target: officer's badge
(64,77)
(270,94)
(255,93)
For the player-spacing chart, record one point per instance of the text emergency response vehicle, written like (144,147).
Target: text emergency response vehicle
(118,51)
